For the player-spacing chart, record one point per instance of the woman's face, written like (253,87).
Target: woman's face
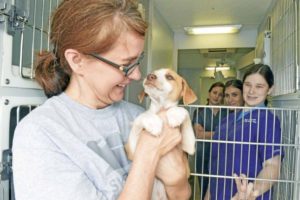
(233,96)
(215,96)
(105,84)
(255,90)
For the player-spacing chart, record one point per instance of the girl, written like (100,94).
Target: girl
(204,121)
(242,155)
(234,93)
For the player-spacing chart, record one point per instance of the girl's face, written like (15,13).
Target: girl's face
(255,90)
(104,84)
(215,96)
(233,96)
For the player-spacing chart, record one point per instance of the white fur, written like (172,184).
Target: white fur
(150,121)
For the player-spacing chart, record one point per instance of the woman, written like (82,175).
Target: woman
(234,93)
(204,121)
(254,125)
(72,146)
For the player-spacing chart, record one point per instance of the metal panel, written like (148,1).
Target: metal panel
(18,50)
(284,47)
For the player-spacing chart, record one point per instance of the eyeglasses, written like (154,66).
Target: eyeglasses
(125,69)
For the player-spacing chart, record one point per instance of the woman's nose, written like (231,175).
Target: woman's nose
(251,90)
(229,99)
(135,75)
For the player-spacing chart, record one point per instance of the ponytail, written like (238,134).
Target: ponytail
(50,76)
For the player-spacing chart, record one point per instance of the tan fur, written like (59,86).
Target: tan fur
(141,96)
(188,94)
(165,88)
(181,90)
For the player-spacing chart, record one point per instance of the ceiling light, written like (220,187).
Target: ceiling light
(217,68)
(221,29)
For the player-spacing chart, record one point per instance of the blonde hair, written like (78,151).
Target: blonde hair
(89,26)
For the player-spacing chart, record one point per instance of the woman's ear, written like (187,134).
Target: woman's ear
(74,58)
(270,90)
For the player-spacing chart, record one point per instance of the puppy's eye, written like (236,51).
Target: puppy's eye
(169,77)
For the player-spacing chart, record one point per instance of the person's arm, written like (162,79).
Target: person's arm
(173,171)
(139,183)
(270,171)
(250,191)
(150,150)
(201,133)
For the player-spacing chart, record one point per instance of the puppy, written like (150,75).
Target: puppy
(165,88)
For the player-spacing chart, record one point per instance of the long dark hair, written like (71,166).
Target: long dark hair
(265,71)
(235,83)
(216,84)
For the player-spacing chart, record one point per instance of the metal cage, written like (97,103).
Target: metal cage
(273,130)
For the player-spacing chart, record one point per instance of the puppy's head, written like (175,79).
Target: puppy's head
(166,87)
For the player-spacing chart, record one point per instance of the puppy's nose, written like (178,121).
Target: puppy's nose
(151,77)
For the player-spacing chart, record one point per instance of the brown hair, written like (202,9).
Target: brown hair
(90,26)
(265,71)
(216,84)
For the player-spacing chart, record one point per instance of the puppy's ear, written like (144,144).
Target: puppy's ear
(188,94)
(142,95)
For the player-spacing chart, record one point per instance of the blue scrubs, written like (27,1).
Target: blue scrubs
(206,118)
(256,126)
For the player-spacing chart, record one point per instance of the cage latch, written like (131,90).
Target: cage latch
(3,7)
(17,15)
(6,165)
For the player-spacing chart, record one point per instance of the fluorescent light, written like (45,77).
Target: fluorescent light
(217,68)
(220,29)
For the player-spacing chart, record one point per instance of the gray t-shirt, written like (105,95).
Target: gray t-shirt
(64,150)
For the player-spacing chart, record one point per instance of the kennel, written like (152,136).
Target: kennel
(287,186)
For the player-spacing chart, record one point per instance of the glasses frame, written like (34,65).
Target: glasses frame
(125,69)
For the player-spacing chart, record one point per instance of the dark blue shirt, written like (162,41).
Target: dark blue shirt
(258,126)
(205,117)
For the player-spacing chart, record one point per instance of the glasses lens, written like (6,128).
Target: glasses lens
(129,69)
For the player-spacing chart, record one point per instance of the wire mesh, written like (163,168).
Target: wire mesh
(244,142)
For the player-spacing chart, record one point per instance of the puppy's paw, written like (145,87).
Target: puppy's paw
(153,124)
(176,116)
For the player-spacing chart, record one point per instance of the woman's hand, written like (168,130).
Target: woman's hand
(270,171)
(172,167)
(200,133)
(173,171)
(162,144)
(150,149)
(245,189)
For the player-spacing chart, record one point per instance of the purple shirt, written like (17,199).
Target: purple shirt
(255,126)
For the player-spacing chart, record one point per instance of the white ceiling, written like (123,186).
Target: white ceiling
(181,13)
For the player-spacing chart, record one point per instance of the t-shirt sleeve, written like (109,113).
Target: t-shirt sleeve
(269,136)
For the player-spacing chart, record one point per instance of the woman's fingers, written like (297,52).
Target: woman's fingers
(245,189)
(241,182)
(244,182)
(255,193)
(250,189)
(170,137)
(237,181)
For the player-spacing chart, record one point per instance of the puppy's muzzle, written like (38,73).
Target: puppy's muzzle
(151,80)
(151,77)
